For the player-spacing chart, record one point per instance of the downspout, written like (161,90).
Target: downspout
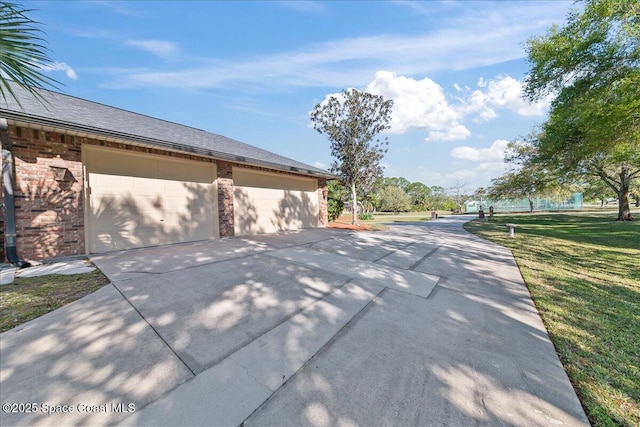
(9,202)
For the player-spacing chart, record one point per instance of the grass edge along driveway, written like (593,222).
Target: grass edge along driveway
(583,275)
(31,297)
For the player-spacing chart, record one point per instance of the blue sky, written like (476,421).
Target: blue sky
(254,70)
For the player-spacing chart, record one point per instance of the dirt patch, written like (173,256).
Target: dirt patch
(347,226)
(344,223)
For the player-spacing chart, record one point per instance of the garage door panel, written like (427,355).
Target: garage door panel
(259,208)
(136,207)
(203,174)
(105,183)
(253,179)
(115,163)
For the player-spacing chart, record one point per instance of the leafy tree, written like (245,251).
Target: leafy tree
(402,183)
(394,199)
(592,66)
(420,195)
(635,192)
(514,185)
(351,121)
(438,199)
(527,177)
(594,188)
(23,54)
(335,196)
(369,195)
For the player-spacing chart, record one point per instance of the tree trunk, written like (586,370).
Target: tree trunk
(354,207)
(530,205)
(622,187)
(624,209)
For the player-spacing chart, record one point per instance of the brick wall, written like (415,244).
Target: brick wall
(49,213)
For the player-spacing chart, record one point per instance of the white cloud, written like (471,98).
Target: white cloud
(352,61)
(504,92)
(345,62)
(118,7)
(422,104)
(61,66)
(159,48)
(493,153)
(419,104)
(456,132)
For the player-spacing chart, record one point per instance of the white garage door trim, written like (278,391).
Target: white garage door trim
(266,202)
(140,199)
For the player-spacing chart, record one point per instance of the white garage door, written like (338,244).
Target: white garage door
(136,200)
(268,202)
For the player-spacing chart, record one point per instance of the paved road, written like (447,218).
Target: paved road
(423,324)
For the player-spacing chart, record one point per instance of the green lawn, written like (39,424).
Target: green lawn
(583,272)
(389,217)
(28,298)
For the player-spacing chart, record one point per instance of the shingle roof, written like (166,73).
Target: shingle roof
(79,115)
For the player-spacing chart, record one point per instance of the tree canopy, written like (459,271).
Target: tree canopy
(394,199)
(592,67)
(351,120)
(526,177)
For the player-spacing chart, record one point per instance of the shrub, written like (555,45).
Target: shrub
(366,216)
(335,208)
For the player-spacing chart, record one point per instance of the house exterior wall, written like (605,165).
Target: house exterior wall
(50,215)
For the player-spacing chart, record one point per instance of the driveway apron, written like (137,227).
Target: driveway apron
(422,324)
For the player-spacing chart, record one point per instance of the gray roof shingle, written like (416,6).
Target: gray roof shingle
(79,115)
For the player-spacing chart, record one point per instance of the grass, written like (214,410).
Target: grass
(583,272)
(388,217)
(28,298)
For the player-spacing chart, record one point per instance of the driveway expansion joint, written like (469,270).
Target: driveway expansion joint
(248,373)
(384,256)
(348,325)
(421,260)
(193,373)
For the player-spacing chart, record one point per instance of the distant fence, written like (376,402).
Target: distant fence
(522,205)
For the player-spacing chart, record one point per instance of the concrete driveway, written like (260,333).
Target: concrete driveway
(423,324)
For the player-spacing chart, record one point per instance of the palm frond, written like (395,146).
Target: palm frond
(23,53)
